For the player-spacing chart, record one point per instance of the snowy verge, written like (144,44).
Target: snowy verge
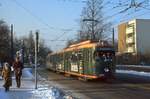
(146,74)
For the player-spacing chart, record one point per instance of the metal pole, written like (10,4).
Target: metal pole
(12,46)
(23,52)
(93,34)
(113,38)
(36,48)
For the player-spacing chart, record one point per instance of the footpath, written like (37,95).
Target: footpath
(28,91)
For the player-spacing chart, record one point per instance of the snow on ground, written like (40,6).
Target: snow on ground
(146,74)
(28,91)
(134,66)
(27,73)
(47,92)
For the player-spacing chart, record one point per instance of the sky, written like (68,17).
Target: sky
(58,18)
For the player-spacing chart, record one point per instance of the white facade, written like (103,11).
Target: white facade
(138,36)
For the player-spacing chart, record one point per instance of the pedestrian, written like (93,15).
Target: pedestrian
(7,76)
(18,66)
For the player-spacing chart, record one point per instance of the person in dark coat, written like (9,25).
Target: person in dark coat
(18,66)
(7,76)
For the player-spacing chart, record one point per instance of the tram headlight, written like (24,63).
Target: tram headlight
(106,69)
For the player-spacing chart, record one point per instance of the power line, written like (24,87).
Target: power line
(38,18)
(83,1)
(132,18)
(143,13)
(57,38)
(122,11)
(41,21)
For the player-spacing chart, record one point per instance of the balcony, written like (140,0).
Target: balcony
(130,40)
(129,30)
(130,49)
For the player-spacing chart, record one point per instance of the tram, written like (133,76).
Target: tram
(86,60)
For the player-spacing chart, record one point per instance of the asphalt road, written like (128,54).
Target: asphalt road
(125,86)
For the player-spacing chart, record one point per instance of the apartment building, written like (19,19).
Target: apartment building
(134,37)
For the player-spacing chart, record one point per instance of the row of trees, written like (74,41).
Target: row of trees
(26,43)
(4,41)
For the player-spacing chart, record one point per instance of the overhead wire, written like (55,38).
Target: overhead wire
(57,38)
(38,18)
(41,21)
(139,14)
(132,13)
(125,19)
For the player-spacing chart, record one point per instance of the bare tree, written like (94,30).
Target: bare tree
(93,25)
(29,48)
(29,41)
(4,41)
(43,51)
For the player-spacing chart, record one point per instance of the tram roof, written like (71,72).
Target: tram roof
(84,44)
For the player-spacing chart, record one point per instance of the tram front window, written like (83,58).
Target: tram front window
(105,57)
(103,62)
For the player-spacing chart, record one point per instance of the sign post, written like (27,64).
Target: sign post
(36,50)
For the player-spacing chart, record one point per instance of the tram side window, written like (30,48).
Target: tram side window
(60,57)
(80,56)
(74,58)
(51,58)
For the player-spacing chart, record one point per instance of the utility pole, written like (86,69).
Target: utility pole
(23,52)
(113,38)
(36,54)
(12,45)
(93,34)
(93,23)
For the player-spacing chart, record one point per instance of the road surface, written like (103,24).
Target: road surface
(57,86)
(126,86)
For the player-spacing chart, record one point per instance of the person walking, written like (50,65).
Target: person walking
(7,76)
(18,66)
